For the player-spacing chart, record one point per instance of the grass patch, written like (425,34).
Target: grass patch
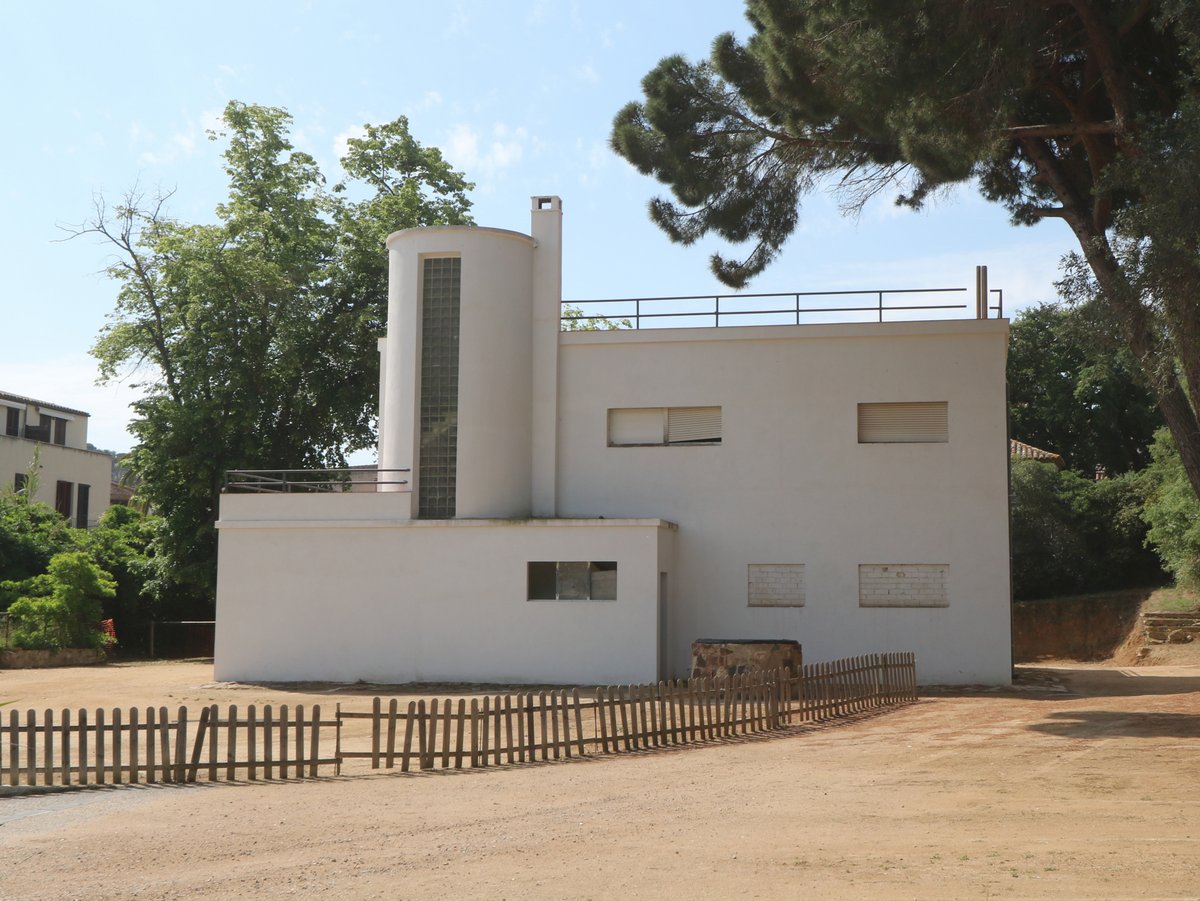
(1173,600)
(1132,595)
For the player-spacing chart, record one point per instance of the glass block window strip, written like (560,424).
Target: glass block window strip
(441,283)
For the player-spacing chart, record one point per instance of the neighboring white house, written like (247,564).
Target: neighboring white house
(71,478)
(582,505)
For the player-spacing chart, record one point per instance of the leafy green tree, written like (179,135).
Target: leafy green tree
(30,534)
(62,607)
(121,544)
(1173,513)
(1072,534)
(255,335)
(1079,399)
(1080,111)
(575,320)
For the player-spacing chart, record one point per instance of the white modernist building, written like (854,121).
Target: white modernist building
(581,506)
(70,478)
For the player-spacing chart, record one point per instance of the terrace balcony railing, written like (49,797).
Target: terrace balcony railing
(789,308)
(284,481)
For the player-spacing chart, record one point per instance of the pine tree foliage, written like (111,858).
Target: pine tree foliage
(1078,110)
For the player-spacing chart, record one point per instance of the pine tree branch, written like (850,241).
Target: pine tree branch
(1062,130)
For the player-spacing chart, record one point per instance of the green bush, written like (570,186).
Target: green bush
(1072,535)
(1173,512)
(30,534)
(62,607)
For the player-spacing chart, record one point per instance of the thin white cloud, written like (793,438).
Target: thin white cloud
(587,72)
(212,120)
(181,143)
(599,156)
(138,133)
(482,157)
(341,141)
(463,146)
(608,35)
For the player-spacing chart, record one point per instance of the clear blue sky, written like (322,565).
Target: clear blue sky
(518,95)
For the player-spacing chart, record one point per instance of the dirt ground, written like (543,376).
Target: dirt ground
(1081,784)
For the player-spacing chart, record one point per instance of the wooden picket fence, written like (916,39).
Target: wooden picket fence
(131,747)
(544,725)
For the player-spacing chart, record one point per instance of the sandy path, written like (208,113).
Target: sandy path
(968,795)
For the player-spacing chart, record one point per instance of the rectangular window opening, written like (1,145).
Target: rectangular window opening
(40,432)
(904,423)
(663,426)
(82,495)
(549,580)
(62,498)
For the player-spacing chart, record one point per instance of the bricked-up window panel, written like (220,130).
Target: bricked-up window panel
(572,581)
(904,423)
(775,585)
(903,585)
(661,426)
(441,286)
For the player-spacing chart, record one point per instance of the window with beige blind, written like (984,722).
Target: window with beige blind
(923,422)
(661,426)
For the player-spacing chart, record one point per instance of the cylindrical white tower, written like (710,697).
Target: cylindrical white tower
(458,376)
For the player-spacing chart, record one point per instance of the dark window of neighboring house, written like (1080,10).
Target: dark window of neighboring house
(60,431)
(12,426)
(62,498)
(40,432)
(81,506)
(19,481)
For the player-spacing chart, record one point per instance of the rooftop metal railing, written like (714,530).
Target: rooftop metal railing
(724,310)
(282,481)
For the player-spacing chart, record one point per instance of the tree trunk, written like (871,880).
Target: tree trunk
(1185,429)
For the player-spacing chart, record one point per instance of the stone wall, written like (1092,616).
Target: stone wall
(23,659)
(1171,628)
(729,657)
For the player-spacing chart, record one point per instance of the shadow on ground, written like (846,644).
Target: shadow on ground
(1114,724)
(1108,681)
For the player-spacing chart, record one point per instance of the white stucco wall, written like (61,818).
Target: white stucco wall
(343,587)
(790,484)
